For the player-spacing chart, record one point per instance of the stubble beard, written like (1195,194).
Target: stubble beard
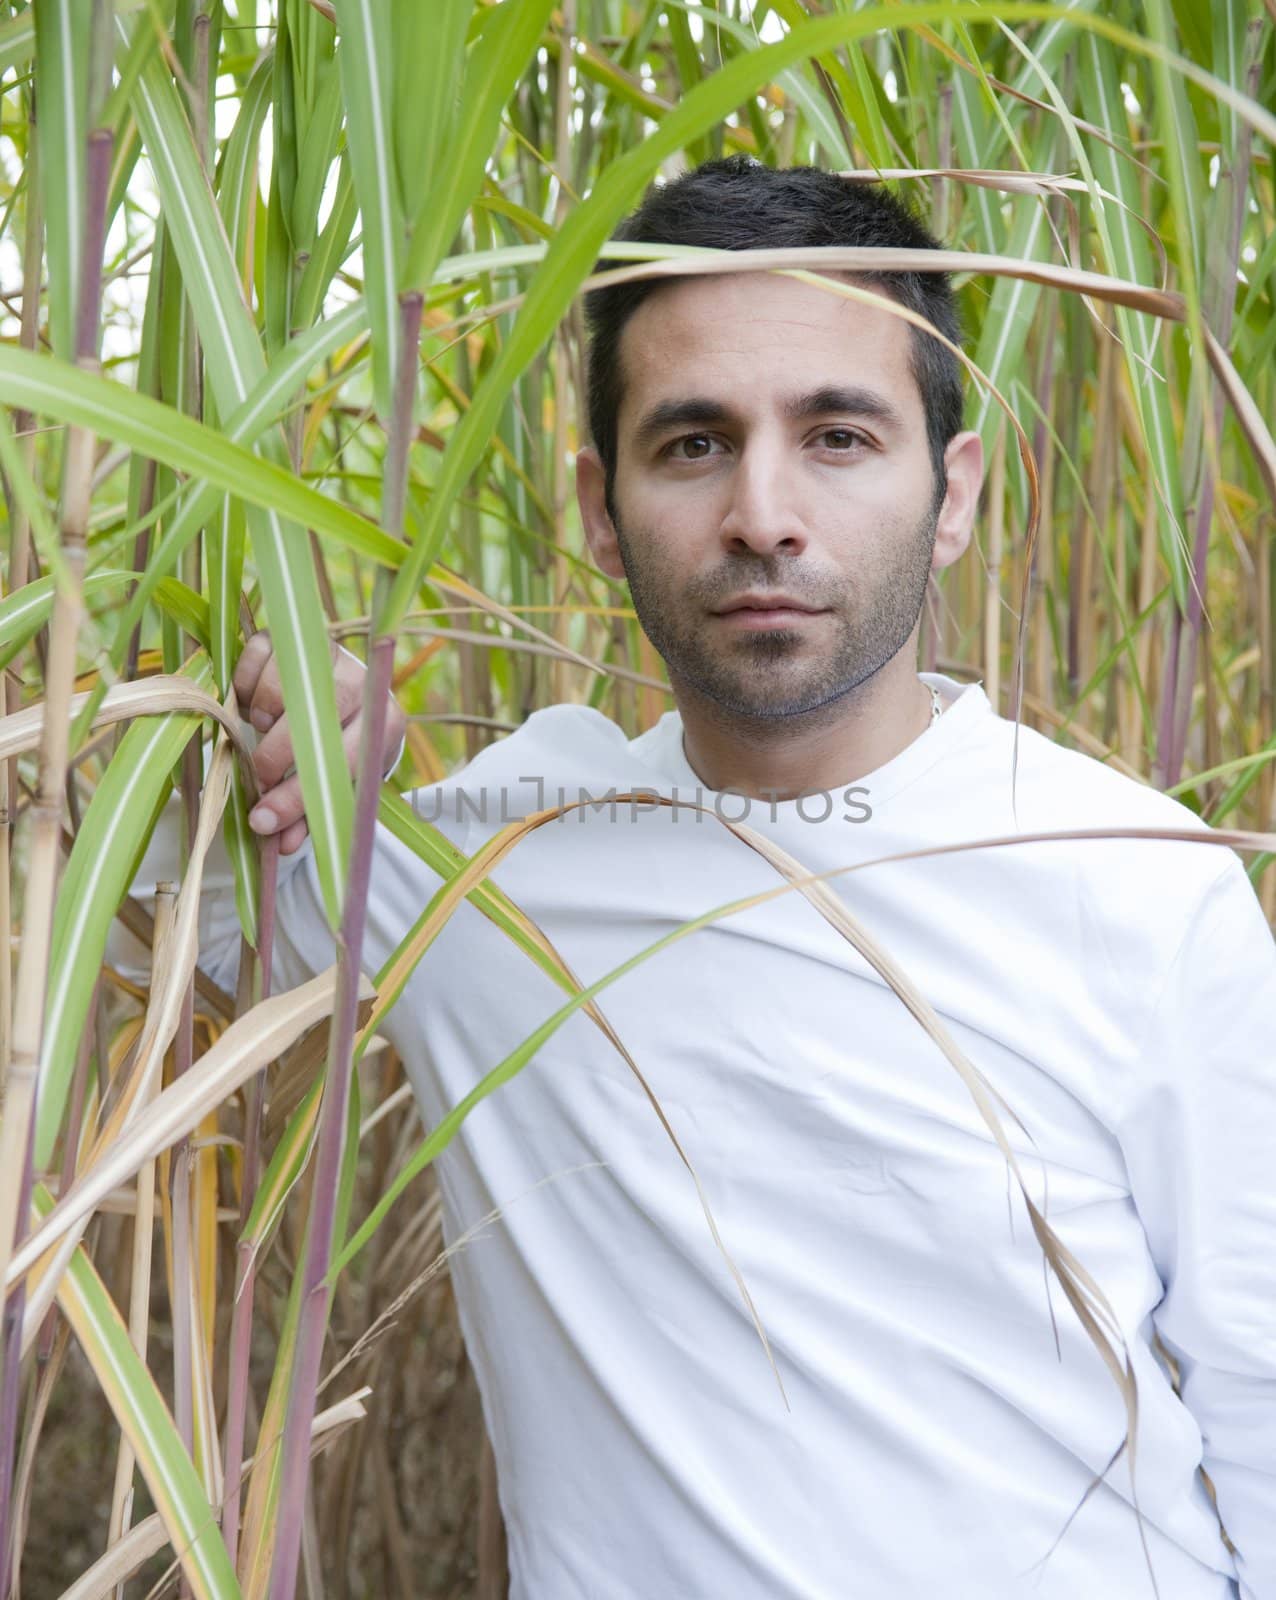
(766,674)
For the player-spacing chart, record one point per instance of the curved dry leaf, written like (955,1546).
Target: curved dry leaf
(1043,184)
(250,1043)
(1248,415)
(875,258)
(453,583)
(150,697)
(533,647)
(175,954)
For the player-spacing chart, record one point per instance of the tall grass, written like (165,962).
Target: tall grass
(290,335)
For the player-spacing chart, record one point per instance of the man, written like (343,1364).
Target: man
(776,469)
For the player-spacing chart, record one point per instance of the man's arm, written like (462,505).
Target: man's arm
(1199,1145)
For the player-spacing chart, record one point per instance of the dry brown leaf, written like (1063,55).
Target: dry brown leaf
(250,1043)
(151,697)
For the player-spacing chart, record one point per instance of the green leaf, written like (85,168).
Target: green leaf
(180,602)
(429,65)
(497,60)
(287,1163)
(1129,255)
(237,170)
(58,389)
(366,58)
(139,1408)
(1009,318)
(63,32)
(329,252)
(26,611)
(438,852)
(235,365)
(17,41)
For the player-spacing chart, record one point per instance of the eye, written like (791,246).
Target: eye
(843,440)
(692,447)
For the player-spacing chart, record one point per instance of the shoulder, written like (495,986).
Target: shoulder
(1145,849)
(559,750)
(1058,780)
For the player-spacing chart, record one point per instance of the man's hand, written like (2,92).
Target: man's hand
(280,809)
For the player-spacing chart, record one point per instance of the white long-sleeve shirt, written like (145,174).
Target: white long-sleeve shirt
(1120,995)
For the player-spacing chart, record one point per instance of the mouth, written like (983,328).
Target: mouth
(767,611)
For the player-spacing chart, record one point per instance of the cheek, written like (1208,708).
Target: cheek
(679,519)
(665,522)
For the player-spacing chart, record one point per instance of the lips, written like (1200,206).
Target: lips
(777,602)
(768,613)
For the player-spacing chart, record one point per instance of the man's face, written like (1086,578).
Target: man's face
(771,445)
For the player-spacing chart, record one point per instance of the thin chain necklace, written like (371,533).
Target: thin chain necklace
(936,709)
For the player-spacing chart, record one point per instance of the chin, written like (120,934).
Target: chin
(798,702)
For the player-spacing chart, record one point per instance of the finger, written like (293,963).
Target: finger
(252,658)
(293,838)
(347,681)
(266,706)
(274,753)
(282,805)
(267,703)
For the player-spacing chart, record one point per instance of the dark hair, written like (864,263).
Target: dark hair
(738,204)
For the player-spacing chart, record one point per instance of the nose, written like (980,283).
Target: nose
(762,516)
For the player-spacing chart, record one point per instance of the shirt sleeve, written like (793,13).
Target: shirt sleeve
(219,931)
(1199,1145)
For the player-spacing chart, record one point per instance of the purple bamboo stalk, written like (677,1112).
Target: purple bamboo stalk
(1190,623)
(241,1318)
(70,1151)
(317,1252)
(11,1332)
(1223,303)
(179,1181)
(141,554)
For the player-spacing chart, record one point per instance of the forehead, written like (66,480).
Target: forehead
(760,338)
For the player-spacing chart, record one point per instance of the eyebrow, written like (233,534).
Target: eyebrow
(853,401)
(691,413)
(700,411)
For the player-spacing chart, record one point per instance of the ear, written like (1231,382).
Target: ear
(964,465)
(591,496)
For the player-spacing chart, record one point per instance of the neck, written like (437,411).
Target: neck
(779,758)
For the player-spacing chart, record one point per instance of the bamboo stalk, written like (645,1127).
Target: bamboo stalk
(993,573)
(139,1279)
(1222,261)
(17,1131)
(560,569)
(316,1290)
(6,922)
(241,1320)
(19,555)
